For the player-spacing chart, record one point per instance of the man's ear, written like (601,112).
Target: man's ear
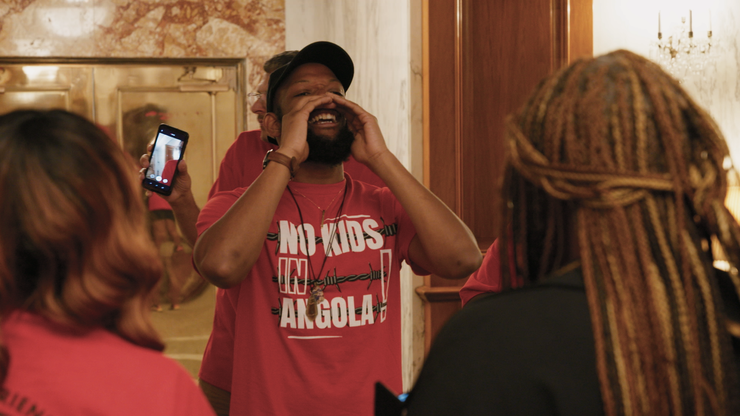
(272,125)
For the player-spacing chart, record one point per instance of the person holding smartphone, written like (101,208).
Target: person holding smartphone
(167,151)
(77,268)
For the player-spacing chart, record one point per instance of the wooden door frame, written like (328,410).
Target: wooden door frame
(447,41)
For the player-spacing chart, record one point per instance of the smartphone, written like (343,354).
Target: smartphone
(169,147)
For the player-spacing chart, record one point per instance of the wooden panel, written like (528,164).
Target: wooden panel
(440,304)
(482,59)
(441,140)
(559,28)
(581,29)
(507,51)
(439,100)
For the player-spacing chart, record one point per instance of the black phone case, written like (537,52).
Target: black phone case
(151,183)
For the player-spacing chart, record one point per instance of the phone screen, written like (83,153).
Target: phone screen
(169,147)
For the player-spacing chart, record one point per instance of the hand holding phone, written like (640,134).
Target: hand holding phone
(167,152)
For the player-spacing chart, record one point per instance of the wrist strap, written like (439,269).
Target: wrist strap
(289,162)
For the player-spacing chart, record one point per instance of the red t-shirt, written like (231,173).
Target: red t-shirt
(169,172)
(287,364)
(59,371)
(487,279)
(241,165)
(157,203)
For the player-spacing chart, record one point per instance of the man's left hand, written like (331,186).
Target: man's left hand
(369,143)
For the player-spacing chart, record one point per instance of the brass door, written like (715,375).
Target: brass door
(130,98)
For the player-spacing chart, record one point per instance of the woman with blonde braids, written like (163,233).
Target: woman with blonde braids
(77,267)
(614,189)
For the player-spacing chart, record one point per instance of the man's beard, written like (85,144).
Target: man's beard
(328,151)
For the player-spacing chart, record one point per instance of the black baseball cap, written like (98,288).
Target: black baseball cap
(325,53)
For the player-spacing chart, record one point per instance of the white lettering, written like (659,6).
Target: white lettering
(303,321)
(386,259)
(288,238)
(323,320)
(306,232)
(356,239)
(283,274)
(376,239)
(290,275)
(287,320)
(339,312)
(367,310)
(326,237)
(351,312)
(343,236)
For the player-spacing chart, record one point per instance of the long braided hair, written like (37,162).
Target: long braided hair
(611,156)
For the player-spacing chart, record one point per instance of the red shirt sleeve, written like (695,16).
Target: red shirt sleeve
(487,279)
(242,163)
(216,207)
(406,230)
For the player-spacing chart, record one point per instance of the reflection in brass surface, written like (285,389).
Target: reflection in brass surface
(129,98)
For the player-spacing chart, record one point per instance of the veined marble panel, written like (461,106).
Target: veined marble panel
(383,37)
(145,28)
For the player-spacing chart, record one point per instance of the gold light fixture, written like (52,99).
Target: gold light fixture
(682,54)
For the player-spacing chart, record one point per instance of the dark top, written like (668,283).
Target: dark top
(522,352)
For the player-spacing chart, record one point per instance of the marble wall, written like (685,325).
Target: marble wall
(633,25)
(383,37)
(145,28)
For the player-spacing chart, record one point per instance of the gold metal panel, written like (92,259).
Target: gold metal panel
(45,87)
(130,97)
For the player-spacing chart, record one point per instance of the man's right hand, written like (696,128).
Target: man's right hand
(294,125)
(181,199)
(183,183)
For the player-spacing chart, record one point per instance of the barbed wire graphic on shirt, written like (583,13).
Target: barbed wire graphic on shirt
(387,230)
(377,308)
(334,280)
